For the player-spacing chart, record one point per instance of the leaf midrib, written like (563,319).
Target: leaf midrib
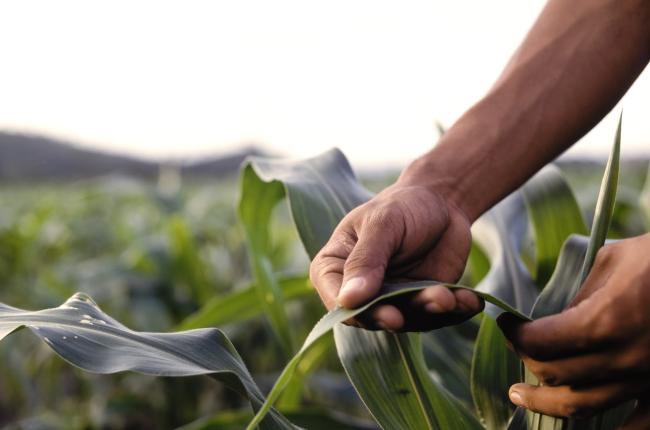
(412,378)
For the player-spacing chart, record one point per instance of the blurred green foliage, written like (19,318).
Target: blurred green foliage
(153,258)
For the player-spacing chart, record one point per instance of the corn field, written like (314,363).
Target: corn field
(131,305)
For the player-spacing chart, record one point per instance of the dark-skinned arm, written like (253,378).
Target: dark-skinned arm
(577,61)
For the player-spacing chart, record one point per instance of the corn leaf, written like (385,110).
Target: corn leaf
(292,395)
(392,406)
(500,233)
(448,355)
(554,214)
(576,259)
(86,337)
(243,304)
(321,191)
(604,206)
(256,204)
(494,367)
(339,315)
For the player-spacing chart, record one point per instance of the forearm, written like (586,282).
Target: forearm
(576,62)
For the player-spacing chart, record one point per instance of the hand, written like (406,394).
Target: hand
(406,232)
(596,354)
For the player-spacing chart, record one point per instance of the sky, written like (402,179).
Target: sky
(163,79)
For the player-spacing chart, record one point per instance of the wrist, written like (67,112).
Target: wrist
(458,169)
(426,172)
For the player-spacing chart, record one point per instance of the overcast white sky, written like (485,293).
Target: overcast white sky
(159,79)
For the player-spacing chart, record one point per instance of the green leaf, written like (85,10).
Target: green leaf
(84,336)
(499,233)
(256,204)
(190,269)
(312,359)
(554,215)
(339,315)
(321,191)
(494,369)
(401,360)
(494,366)
(604,205)
(243,304)
(564,283)
(576,260)
(448,355)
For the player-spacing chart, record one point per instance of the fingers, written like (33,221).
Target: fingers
(436,299)
(565,401)
(349,271)
(567,333)
(388,317)
(578,370)
(365,267)
(440,299)
(445,262)
(418,314)
(468,302)
(326,271)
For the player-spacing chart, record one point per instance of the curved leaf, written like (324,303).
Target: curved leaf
(339,315)
(392,407)
(321,191)
(449,359)
(256,204)
(499,232)
(494,366)
(243,304)
(84,336)
(576,260)
(554,214)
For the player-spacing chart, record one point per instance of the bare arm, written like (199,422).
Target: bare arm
(577,61)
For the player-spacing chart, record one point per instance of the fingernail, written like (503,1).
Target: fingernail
(352,286)
(433,308)
(516,398)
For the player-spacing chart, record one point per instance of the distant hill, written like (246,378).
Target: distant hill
(25,157)
(219,166)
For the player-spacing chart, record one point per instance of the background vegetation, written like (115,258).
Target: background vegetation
(158,256)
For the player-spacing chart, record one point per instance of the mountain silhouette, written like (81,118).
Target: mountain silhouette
(25,157)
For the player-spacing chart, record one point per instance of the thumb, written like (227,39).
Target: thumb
(364,269)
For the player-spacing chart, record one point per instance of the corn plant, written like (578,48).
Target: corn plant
(389,371)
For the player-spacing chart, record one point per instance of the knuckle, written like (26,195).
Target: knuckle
(607,326)
(384,217)
(605,255)
(316,271)
(320,268)
(364,261)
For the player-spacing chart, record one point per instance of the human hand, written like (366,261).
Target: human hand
(407,232)
(596,354)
